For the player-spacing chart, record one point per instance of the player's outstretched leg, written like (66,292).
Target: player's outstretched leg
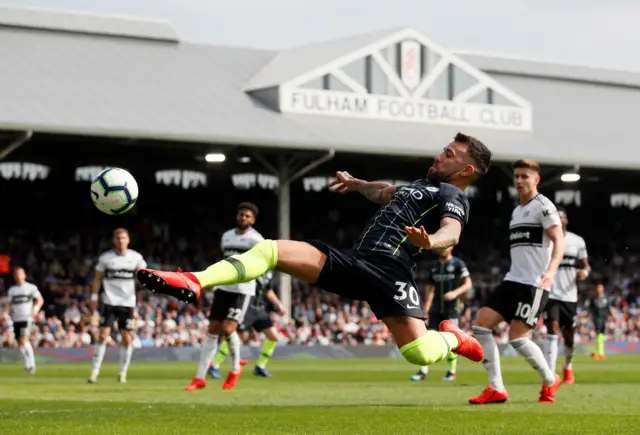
(422,347)
(186,286)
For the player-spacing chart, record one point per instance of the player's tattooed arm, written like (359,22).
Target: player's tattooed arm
(376,191)
(448,235)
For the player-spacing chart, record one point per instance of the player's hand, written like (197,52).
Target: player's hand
(344,183)
(546,280)
(418,236)
(282,310)
(449,296)
(581,275)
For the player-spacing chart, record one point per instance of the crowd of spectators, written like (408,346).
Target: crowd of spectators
(63,269)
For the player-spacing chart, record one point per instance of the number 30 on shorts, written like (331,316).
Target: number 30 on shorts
(402,294)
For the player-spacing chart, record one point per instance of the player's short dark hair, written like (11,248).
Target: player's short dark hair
(478,152)
(249,206)
(527,164)
(119,231)
(561,210)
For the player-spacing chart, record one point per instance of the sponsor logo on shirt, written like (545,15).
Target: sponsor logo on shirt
(455,209)
(520,235)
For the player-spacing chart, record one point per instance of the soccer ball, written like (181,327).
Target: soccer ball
(114,191)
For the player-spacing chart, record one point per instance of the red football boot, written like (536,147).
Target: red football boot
(183,286)
(468,346)
(231,380)
(196,384)
(548,392)
(244,362)
(489,395)
(568,376)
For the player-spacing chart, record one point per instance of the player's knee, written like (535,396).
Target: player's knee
(271,334)
(229,328)
(103,335)
(518,332)
(487,318)
(418,358)
(215,327)
(126,338)
(22,341)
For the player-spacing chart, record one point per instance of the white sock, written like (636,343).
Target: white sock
(568,356)
(98,355)
(234,351)
(27,353)
(551,351)
(424,370)
(209,348)
(125,359)
(491,360)
(534,355)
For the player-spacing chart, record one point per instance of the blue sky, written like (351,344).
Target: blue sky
(587,32)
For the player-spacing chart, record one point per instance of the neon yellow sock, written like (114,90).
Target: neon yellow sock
(452,359)
(430,348)
(241,268)
(221,354)
(267,350)
(600,344)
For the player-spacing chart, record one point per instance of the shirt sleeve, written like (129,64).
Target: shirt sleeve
(454,204)
(36,293)
(582,252)
(101,267)
(549,215)
(257,238)
(141,263)
(464,271)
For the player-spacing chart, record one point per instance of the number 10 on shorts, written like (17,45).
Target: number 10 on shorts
(524,311)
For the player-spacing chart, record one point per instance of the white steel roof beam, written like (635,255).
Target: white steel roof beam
(349,82)
(391,74)
(470,92)
(430,78)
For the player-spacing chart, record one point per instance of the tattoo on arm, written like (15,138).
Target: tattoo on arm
(377,192)
(447,236)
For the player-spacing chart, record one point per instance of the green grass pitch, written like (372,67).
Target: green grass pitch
(317,397)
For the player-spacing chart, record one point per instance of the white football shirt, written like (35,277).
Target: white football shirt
(233,243)
(530,246)
(565,287)
(21,297)
(118,281)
